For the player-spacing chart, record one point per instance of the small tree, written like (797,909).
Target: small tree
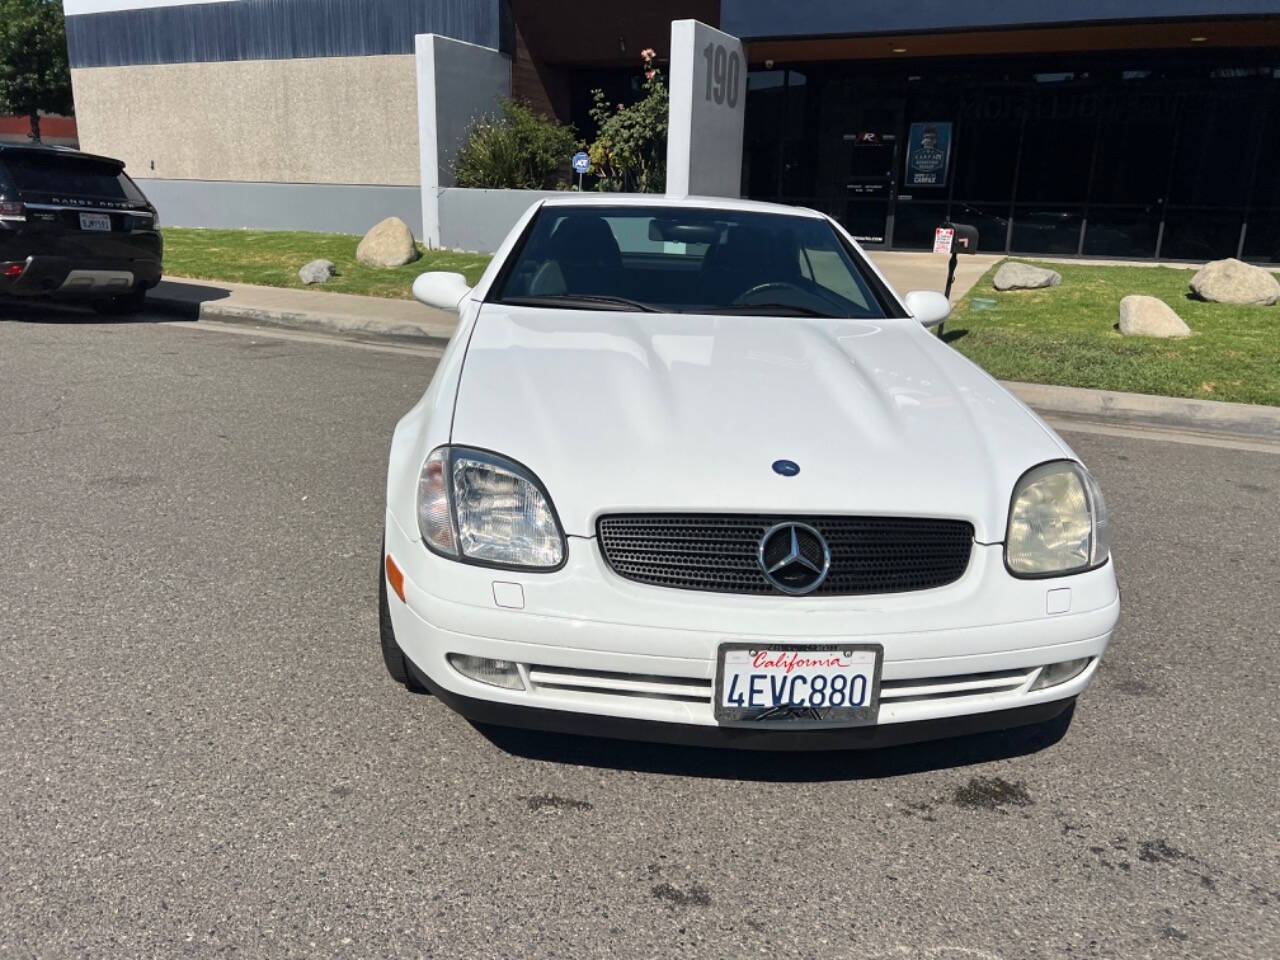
(34,75)
(519,150)
(630,149)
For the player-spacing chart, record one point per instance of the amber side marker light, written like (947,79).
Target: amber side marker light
(395,577)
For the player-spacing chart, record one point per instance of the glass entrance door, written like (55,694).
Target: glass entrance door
(872,150)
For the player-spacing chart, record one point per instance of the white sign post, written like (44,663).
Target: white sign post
(708,100)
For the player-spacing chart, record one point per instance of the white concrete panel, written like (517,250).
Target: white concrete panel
(457,82)
(708,101)
(481,219)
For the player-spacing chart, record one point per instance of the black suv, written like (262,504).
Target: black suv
(74,226)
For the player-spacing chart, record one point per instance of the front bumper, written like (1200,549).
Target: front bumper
(699,735)
(602,655)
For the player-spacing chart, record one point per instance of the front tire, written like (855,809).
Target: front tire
(398,665)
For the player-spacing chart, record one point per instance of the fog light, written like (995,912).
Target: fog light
(497,673)
(1056,673)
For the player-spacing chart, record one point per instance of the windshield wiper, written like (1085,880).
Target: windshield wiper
(768,310)
(581,301)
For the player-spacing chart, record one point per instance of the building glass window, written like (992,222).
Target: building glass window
(1154,154)
(1201,234)
(1057,147)
(1126,232)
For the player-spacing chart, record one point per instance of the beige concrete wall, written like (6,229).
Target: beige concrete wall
(324,120)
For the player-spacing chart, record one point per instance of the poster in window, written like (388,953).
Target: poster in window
(928,154)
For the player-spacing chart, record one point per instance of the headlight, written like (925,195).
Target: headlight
(479,506)
(1057,522)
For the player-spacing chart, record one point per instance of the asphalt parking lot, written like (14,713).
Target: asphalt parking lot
(201,753)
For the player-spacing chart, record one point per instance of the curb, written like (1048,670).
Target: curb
(1217,416)
(344,324)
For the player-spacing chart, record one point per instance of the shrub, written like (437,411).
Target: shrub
(518,150)
(630,149)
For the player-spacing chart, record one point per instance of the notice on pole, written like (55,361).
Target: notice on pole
(943,238)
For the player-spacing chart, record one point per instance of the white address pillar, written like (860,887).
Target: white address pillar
(708,85)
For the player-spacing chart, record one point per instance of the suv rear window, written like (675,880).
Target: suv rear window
(70,177)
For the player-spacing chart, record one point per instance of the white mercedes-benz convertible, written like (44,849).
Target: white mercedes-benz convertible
(691,471)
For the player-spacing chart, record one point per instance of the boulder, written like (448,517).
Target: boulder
(387,244)
(1023,276)
(317,271)
(1231,281)
(1148,317)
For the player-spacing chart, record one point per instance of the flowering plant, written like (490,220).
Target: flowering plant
(630,149)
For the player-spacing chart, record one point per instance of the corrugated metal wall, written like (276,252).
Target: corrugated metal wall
(279,30)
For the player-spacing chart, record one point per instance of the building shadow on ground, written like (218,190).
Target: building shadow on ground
(781,767)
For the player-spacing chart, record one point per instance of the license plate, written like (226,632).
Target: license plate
(798,684)
(95,221)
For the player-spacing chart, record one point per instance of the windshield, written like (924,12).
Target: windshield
(69,176)
(688,260)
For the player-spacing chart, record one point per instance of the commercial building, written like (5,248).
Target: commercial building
(1137,129)
(1120,128)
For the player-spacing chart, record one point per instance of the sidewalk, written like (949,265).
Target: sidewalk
(340,313)
(911,270)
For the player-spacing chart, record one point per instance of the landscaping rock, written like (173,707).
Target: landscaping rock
(387,244)
(1148,317)
(1231,281)
(1023,276)
(317,271)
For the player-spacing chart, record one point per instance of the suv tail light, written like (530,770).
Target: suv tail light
(12,210)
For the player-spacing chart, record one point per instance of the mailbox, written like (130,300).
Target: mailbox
(955,238)
(965,238)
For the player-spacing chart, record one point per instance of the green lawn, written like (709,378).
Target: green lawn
(272,258)
(1067,335)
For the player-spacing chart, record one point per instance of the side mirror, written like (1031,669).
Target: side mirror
(444,291)
(927,306)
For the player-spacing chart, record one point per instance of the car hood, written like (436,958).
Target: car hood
(653,412)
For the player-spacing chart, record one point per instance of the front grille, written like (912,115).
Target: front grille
(719,552)
(700,690)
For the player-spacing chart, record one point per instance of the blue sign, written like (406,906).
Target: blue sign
(928,154)
(581,162)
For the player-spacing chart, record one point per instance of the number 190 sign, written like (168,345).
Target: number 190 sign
(724,73)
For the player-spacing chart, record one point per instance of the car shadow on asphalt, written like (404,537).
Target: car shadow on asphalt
(781,767)
(181,302)
(67,313)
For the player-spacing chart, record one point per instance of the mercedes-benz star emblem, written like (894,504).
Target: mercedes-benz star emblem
(794,557)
